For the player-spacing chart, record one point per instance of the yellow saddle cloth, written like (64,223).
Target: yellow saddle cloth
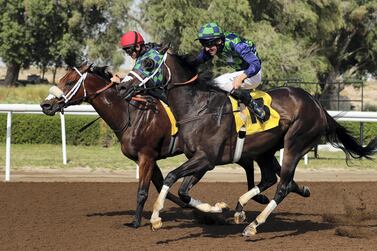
(173,122)
(252,124)
(243,117)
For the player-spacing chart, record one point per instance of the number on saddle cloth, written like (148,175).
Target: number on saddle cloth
(248,119)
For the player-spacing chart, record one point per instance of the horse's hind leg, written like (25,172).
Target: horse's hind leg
(293,187)
(158,180)
(303,191)
(286,176)
(248,166)
(268,178)
(298,141)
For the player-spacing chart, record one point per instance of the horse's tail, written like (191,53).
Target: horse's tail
(340,137)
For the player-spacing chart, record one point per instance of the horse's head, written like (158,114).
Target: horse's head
(148,73)
(69,91)
(73,89)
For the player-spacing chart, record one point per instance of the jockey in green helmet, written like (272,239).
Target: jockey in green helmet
(241,55)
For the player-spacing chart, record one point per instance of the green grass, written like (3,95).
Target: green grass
(96,157)
(29,94)
(50,156)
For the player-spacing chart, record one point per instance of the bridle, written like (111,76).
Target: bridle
(167,85)
(56,92)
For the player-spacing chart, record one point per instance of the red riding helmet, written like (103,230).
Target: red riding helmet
(131,38)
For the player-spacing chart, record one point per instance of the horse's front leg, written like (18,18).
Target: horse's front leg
(158,180)
(183,193)
(146,166)
(197,164)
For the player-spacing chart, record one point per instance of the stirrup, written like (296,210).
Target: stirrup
(260,113)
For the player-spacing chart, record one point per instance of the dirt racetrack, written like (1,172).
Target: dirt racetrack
(95,216)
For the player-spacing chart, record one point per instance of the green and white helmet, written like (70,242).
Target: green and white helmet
(210,31)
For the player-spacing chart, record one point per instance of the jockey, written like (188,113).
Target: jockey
(132,42)
(238,53)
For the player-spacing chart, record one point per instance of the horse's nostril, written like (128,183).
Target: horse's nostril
(45,106)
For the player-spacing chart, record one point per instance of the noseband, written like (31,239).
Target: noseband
(55,92)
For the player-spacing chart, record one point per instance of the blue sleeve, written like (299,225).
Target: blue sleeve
(202,57)
(245,52)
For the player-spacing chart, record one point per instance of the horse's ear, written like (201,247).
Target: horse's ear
(164,48)
(85,67)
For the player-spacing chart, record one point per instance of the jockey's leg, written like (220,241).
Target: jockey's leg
(244,96)
(225,82)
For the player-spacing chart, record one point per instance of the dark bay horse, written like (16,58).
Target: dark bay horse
(207,143)
(142,127)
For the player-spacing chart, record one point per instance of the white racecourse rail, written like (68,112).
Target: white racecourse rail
(89,110)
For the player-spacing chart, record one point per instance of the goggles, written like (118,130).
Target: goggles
(210,43)
(129,50)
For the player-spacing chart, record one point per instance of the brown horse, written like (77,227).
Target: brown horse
(141,125)
(198,107)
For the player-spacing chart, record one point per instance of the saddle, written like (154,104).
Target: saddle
(245,118)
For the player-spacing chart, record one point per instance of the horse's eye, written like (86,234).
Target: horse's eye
(148,64)
(69,82)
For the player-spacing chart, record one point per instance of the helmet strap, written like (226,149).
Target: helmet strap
(136,37)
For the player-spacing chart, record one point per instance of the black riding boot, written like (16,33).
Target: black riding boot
(245,97)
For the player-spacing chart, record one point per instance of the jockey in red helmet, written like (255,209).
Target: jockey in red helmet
(132,42)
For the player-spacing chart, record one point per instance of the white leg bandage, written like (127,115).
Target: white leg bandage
(247,196)
(204,207)
(261,218)
(159,204)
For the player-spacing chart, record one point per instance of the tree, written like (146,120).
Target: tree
(281,54)
(341,34)
(15,48)
(103,45)
(321,40)
(53,33)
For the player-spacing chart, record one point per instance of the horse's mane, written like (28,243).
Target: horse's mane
(102,72)
(188,63)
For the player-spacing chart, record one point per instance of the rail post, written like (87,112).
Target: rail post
(7,151)
(64,143)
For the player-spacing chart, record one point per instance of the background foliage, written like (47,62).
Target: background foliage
(42,129)
(311,40)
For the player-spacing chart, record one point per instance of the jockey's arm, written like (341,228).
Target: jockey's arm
(245,52)
(202,57)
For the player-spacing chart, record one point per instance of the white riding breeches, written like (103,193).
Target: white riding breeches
(225,81)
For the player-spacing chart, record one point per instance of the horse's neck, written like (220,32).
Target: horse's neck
(112,109)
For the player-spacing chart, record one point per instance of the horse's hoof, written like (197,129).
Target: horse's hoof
(156,224)
(136,224)
(249,231)
(221,205)
(306,192)
(239,217)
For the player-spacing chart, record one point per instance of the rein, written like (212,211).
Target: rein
(183,83)
(71,93)
(170,86)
